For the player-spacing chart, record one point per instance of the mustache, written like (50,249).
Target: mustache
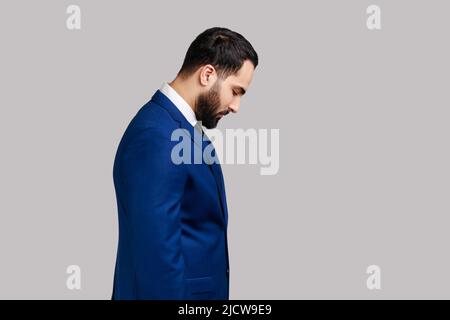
(223,113)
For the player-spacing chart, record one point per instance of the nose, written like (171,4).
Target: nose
(234,107)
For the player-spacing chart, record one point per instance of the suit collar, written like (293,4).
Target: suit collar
(179,102)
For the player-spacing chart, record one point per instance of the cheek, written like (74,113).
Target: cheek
(226,99)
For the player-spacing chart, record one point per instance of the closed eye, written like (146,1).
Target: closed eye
(238,91)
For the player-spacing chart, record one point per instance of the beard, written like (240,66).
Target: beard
(207,107)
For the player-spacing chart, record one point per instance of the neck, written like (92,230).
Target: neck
(185,89)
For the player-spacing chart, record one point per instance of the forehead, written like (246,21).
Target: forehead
(243,77)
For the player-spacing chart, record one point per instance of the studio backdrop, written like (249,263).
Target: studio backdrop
(342,187)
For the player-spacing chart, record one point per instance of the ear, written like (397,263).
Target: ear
(208,75)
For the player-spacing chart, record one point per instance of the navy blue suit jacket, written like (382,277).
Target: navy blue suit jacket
(172,217)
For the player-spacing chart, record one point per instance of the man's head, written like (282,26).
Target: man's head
(218,69)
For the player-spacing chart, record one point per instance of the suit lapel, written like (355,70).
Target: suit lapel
(218,176)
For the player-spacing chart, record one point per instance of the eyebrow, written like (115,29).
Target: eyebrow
(241,90)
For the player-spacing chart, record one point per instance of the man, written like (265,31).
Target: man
(173,216)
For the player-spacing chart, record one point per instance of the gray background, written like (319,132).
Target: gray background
(364,142)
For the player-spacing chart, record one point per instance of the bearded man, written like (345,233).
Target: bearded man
(173,216)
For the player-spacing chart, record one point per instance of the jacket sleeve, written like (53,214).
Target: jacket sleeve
(153,188)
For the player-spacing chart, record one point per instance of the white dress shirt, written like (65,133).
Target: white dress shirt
(179,102)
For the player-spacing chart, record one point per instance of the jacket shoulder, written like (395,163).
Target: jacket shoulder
(151,122)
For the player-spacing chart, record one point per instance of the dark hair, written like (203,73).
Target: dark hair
(224,49)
